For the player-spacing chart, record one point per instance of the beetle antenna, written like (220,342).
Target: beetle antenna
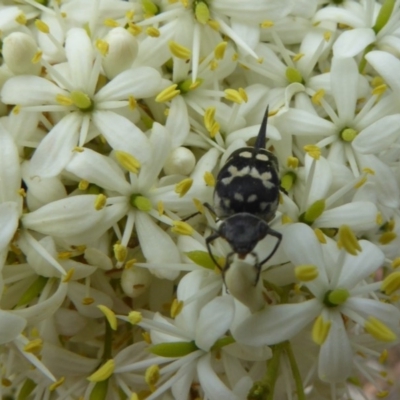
(261,137)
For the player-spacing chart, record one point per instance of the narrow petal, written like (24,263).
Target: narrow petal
(357,268)
(378,136)
(66,217)
(36,91)
(387,65)
(122,134)
(336,356)
(55,150)
(11,326)
(141,82)
(100,170)
(10,172)
(352,42)
(9,218)
(214,321)
(344,82)
(178,121)
(359,215)
(161,144)
(212,385)
(276,324)
(79,52)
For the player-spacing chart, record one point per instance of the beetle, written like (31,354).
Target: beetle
(246,197)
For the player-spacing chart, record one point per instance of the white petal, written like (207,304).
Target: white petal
(342,15)
(141,82)
(100,170)
(122,134)
(357,268)
(161,144)
(79,52)
(10,172)
(359,215)
(11,326)
(9,218)
(37,91)
(212,385)
(55,150)
(352,42)
(66,217)
(178,121)
(388,66)
(336,356)
(378,136)
(157,245)
(344,82)
(276,324)
(321,179)
(214,321)
(44,309)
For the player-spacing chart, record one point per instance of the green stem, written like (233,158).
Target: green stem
(295,372)
(363,61)
(107,351)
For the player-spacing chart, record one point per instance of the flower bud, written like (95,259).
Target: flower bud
(18,51)
(181,161)
(122,51)
(135,281)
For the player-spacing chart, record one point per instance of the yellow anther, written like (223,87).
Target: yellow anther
(37,57)
(16,110)
(383,356)
(146,337)
(320,330)
(64,255)
(21,19)
(68,276)
(134,396)
(213,65)
(360,182)
(149,8)
(209,179)
(379,90)
(34,346)
(286,219)
(202,12)
(235,57)
(134,29)
(243,95)
(128,161)
(396,263)
(200,207)
(42,26)
(348,240)
(292,162)
(182,228)
(297,57)
(120,252)
(110,315)
(152,31)
(160,208)
(83,185)
(382,394)
(64,100)
(318,96)
(313,151)
(379,330)
(379,218)
(215,128)
(387,237)
(129,15)
(87,301)
(327,36)
(391,283)
(368,171)
(233,95)
(57,384)
(320,235)
(130,263)
(102,46)
(179,51)
(103,373)
(100,202)
(306,272)
(151,377)
(78,149)
(111,23)
(21,192)
(219,51)
(213,24)
(209,117)
(135,317)
(168,94)
(267,24)
(176,308)
(132,102)
(183,186)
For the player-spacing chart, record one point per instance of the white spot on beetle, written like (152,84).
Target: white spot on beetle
(245,154)
(238,197)
(262,157)
(252,198)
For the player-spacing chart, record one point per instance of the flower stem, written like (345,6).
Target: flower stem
(295,371)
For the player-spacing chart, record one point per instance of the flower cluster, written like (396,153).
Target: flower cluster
(115,118)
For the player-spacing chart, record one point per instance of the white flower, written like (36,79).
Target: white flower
(339,289)
(76,95)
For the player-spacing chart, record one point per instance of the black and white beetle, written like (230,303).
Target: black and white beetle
(246,198)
